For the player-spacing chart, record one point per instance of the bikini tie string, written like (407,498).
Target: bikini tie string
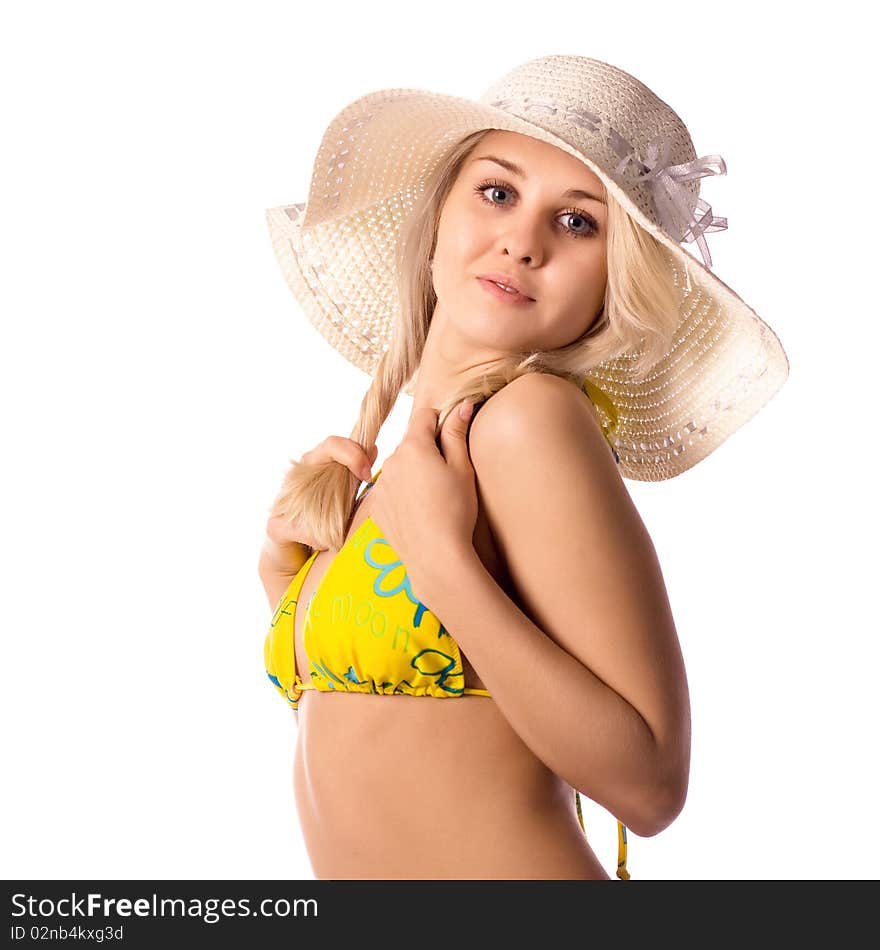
(622,872)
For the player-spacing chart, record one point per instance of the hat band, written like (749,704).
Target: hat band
(654,169)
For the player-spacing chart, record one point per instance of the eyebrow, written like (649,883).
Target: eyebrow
(516,170)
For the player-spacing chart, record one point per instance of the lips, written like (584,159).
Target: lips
(506,288)
(515,300)
(503,279)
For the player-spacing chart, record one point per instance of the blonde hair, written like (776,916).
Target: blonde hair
(638,318)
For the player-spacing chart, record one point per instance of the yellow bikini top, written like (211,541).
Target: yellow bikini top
(365,631)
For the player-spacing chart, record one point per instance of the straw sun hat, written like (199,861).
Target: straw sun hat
(336,250)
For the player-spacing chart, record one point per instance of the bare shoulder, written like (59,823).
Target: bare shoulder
(564,523)
(534,411)
(545,476)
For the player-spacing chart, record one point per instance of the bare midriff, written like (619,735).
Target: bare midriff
(416,787)
(411,787)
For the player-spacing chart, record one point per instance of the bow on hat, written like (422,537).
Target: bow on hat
(671,198)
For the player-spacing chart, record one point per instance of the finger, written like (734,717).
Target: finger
(422,425)
(453,434)
(349,453)
(355,458)
(371,461)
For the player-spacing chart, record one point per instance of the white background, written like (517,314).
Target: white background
(157,375)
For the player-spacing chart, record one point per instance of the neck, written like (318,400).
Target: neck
(449,361)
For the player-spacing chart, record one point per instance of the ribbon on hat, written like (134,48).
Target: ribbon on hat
(671,198)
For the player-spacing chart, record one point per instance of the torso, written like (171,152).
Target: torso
(412,787)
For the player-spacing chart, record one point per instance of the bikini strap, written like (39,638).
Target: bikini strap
(608,420)
(622,872)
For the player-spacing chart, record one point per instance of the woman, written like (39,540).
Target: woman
(499,253)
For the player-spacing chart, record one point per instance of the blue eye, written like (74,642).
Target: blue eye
(590,226)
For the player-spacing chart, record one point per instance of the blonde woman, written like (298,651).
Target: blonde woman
(515,265)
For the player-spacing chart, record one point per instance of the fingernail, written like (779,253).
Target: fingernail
(465,409)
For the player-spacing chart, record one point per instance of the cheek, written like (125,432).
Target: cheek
(454,258)
(588,288)
(584,295)
(460,230)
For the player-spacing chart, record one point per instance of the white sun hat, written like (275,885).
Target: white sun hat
(337,249)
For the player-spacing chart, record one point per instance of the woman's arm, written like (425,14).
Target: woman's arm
(278,565)
(595,686)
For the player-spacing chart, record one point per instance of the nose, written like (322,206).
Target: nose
(522,240)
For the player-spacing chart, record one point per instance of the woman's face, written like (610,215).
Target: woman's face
(523,225)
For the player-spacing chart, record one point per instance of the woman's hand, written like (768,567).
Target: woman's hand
(285,539)
(425,501)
